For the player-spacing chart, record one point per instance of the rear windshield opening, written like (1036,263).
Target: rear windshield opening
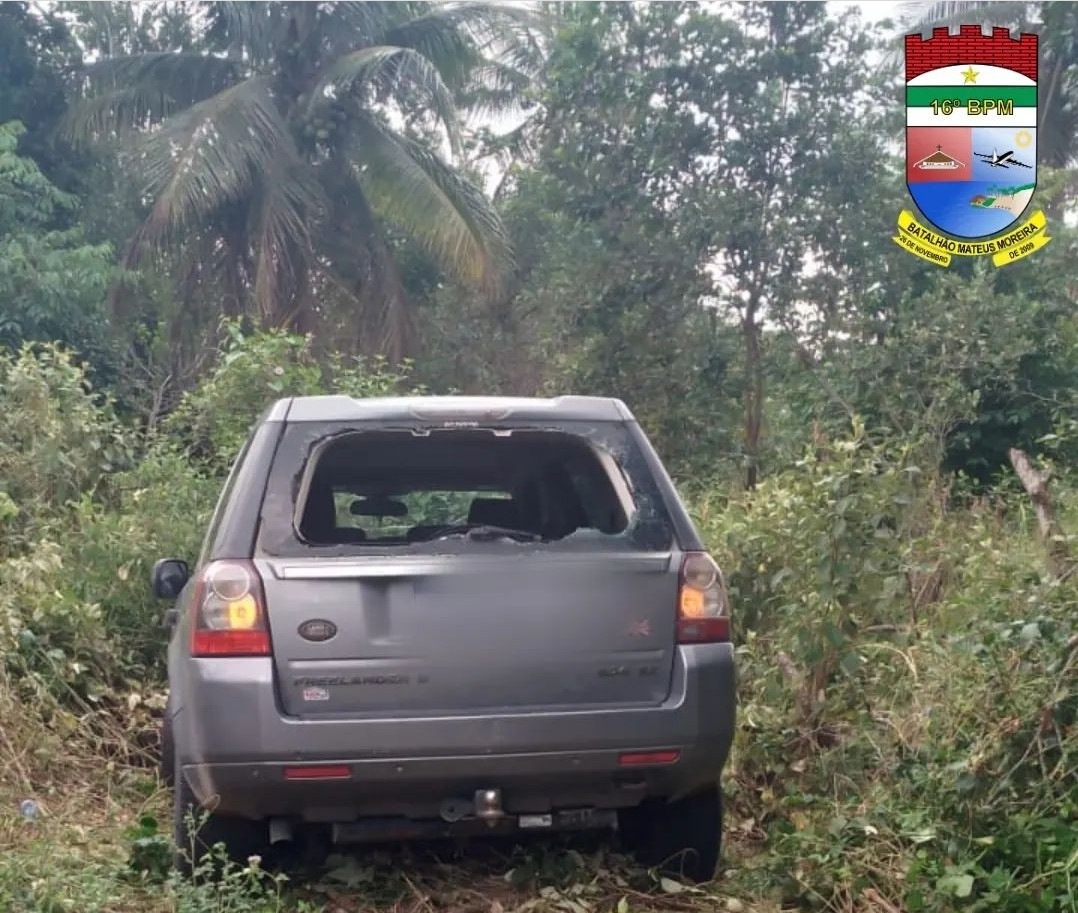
(399,488)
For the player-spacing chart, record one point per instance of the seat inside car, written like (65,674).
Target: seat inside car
(495,512)
(320,518)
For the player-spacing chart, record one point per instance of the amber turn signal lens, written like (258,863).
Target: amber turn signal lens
(692,603)
(242,613)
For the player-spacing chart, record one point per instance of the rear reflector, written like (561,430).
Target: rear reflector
(639,758)
(703,630)
(318,772)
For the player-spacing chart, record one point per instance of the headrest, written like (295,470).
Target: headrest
(494,512)
(319,523)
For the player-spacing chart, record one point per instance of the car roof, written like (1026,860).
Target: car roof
(447,408)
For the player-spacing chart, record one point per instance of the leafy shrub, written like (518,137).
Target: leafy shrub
(159,508)
(53,643)
(253,371)
(820,554)
(45,874)
(58,438)
(76,614)
(77,618)
(909,689)
(58,442)
(53,283)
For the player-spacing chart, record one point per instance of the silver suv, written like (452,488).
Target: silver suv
(426,617)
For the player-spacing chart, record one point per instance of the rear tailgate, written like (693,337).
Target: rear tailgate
(460,633)
(380,600)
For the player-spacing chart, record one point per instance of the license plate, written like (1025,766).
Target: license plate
(535,820)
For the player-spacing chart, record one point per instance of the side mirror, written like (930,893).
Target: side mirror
(169,577)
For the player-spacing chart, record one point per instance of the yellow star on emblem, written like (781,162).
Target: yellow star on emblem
(970,75)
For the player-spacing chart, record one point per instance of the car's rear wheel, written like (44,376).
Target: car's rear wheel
(683,837)
(197,832)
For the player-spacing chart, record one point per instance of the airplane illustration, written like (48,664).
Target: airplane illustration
(1001,159)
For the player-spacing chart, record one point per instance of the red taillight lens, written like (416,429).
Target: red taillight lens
(230,612)
(646,758)
(703,604)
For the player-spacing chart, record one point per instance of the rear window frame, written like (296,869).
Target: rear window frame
(652,526)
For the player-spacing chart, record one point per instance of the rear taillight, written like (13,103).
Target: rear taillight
(703,605)
(229,612)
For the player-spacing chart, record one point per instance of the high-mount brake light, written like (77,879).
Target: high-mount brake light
(229,612)
(703,603)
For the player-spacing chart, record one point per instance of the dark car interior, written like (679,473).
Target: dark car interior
(401,488)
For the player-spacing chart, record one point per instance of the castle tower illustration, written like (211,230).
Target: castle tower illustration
(971,45)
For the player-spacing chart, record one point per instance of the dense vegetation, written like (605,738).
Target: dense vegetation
(204,206)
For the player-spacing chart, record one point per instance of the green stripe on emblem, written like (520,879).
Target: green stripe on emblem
(1016,96)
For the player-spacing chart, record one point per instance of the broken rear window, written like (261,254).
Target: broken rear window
(339,488)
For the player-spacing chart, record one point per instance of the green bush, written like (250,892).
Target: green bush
(909,689)
(85,522)
(58,439)
(820,554)
(51,643)
(253,370)
(157,509)
(58,443)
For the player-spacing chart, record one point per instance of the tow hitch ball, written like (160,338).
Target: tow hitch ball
(488,805)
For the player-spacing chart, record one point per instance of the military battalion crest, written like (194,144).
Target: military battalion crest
(971,146)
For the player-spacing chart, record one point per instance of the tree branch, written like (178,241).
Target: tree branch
(1035,483)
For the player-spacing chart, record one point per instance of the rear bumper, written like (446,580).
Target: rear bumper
(234,745)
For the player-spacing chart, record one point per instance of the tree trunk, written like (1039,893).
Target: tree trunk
(754,395)
(1035,483)
(303,318)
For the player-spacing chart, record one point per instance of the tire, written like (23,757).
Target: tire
(195,833)
(683,837)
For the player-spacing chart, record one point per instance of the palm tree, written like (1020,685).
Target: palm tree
(1057,23)
(283,155)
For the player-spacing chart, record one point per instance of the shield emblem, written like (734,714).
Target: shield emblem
(971,128)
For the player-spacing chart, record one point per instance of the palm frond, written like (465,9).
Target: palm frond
(388,69)
(371,20)
(919,15)
(186,76)
(362,269)
(288,201)
(494,89)
(425,197)
(212,153)
(133,93)
(116,113)
(519,144)
(484,24)
(243,29)
(459,37)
